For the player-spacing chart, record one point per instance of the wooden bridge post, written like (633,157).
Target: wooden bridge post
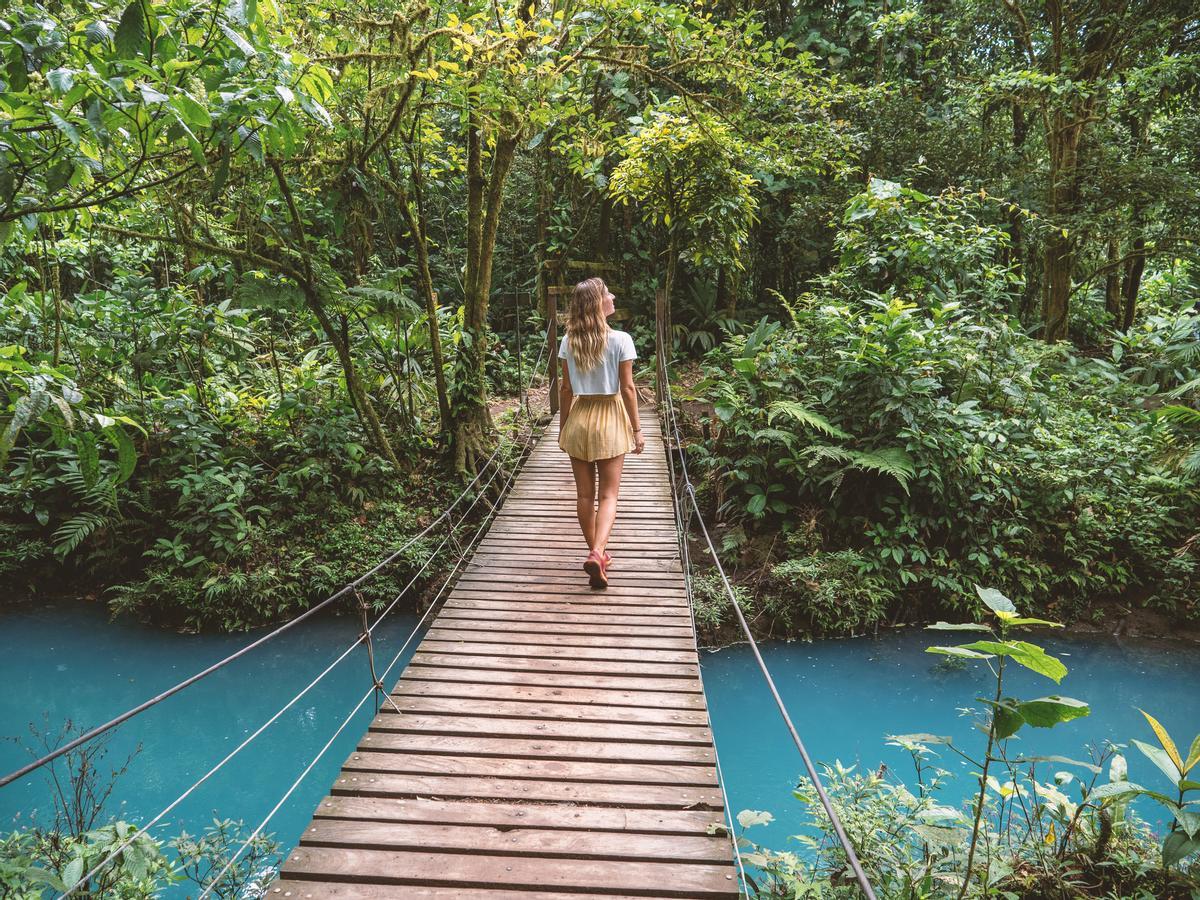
(661,331)
(552,339)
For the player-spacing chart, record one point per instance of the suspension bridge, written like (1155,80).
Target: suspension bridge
(545,739)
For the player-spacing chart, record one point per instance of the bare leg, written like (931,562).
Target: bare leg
(606,507)
(585,496)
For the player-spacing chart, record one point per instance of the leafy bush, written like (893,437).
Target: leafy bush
(944,447)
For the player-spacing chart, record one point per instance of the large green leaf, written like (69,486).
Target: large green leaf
(131,32)
(1031,656)
(1046,712)
(1178,847)
(956,626)
(1159,757)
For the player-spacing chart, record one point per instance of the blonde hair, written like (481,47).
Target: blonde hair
(587,326)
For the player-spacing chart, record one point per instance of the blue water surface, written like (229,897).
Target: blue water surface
(846,696)
(65,661)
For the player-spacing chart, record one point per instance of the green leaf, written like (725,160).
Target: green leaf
(1060,760)
(240,42)
(1165,739)
(126,454)
(1193,756)
(1116,790)
(1006,719)
(71,132)
(1189,821)
(1024,621)
(959,626)
(803,416)
(89,458)
(1031,656)
(193,112)
(73,872)
(1160,759)
(958,651)
(1046,712)
(131,32)
(1178,847)
(995,601)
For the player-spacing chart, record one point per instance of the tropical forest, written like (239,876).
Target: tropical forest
(914,290)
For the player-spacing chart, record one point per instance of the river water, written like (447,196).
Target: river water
(65,661)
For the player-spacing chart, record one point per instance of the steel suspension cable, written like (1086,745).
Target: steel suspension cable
(396,658)
(86,877)
(834,819)
(681,529)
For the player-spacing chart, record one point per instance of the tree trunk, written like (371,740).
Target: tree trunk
(1131,283)
(1112,282)
(472,419)
(415,219)
(1064,138)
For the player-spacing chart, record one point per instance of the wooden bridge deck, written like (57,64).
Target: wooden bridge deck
(552,740)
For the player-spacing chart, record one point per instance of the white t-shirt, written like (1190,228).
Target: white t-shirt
(605,378)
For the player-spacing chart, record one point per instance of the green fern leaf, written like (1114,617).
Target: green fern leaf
(804,416)
(126,454)
(892,461)
(75,531)
(89,459)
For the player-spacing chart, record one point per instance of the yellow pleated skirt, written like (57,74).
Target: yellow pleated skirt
(597,427)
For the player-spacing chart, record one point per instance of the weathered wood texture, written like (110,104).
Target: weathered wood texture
(547,739)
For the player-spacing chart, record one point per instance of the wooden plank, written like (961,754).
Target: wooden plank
(550,610)
(526,623)
(537,728)
(361,761)
(538,842)
(459,615)
(310,889)
(537,748)
(426,671)
(424,656)
(646,658)
(534,709)
(557,638)
(511,816)
(660,700)
(469,871)
(464,787)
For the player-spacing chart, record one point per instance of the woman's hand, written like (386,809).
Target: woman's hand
(639,441)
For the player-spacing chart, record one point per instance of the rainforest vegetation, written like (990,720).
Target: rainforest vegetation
(275,278)
(931,273)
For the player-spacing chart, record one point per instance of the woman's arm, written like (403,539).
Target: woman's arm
(564,395)
(629,397)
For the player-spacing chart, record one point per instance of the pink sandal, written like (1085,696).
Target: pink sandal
(594,566)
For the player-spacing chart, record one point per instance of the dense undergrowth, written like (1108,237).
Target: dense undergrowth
(897,438)
(191,467)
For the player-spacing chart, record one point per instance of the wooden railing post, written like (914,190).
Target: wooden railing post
(661,330)
(552,338)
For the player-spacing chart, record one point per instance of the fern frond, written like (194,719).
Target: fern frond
(804,416)
(1179,415)
(1188,387)
(892,461)
(76,530)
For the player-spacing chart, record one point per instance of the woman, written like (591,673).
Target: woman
(598,415)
